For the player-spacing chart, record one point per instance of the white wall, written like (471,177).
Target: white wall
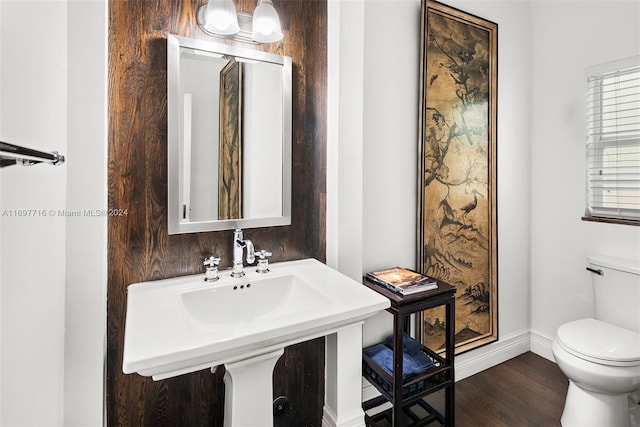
(566,40)
(33,105)
(262,141)
(391,65)
(544,47)
(390,110)
(198,175)
(345,136)
(86,237)
(390,144)
(514,180)
(53,267)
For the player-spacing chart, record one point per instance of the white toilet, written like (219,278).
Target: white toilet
(601,356)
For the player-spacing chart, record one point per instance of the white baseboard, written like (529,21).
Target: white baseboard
(541,345)
(353,419)
(368,391)
(478,360)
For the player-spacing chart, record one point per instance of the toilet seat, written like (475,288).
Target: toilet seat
(600,342)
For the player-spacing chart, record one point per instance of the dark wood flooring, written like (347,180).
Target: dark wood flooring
(526,391)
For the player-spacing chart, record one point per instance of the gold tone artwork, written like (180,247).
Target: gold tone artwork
(230,152)
(457,240)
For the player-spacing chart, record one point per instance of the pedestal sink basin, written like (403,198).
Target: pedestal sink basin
(252,299)
(180,325)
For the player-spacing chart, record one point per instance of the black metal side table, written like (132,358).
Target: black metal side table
(405,395)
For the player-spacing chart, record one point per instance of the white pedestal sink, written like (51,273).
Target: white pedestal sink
(181,325)
(248,385)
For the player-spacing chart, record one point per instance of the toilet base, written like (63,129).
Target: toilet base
(584,408)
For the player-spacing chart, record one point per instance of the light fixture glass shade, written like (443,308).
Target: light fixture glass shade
(266,23)
(221,17)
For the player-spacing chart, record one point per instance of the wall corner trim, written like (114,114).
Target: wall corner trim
(541,345)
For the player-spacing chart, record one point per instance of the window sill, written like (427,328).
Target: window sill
(611,220)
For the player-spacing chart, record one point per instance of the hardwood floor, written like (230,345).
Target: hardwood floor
(526,391)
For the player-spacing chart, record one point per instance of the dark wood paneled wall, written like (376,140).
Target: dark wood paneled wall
(139,247)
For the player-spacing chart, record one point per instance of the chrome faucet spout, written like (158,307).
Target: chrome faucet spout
(251,253)
(239,244)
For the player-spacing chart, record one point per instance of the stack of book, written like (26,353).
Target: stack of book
(402,280)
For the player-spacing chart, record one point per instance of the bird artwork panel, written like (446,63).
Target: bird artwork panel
(458,240)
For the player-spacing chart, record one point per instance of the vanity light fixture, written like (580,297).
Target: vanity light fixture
(266,23)
(219,18)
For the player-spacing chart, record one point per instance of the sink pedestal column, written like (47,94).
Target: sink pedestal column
(248,400)
(343,383)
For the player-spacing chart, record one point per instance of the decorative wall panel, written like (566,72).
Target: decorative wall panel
(457,238)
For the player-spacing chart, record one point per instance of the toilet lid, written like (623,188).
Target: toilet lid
(600,342)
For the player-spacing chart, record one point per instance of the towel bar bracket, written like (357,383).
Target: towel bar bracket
(16,155)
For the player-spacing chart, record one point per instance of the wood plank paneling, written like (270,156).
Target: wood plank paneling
(139,247)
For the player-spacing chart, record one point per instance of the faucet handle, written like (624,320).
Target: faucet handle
(211,272)
(263,261)
(263,254)
(211,261)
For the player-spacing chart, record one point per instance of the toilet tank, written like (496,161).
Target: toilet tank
(616,290)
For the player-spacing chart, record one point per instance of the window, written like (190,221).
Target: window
(613,140)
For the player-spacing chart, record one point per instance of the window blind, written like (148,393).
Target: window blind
(613,140)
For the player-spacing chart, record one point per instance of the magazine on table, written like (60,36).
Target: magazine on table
(402,280)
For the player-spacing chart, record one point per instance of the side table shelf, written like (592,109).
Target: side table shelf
(408,395)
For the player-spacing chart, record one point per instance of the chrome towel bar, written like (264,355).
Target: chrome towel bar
(11,154)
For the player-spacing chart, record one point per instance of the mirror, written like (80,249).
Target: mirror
(229,137)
